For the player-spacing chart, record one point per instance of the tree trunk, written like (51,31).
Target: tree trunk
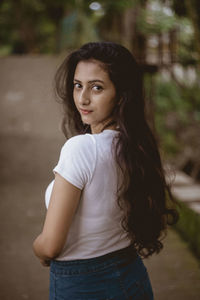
(110,26)
(173,46)
(160,50)
(132,37)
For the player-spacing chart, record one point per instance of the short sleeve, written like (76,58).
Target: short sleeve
(77,160)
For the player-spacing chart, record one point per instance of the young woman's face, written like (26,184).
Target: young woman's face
(94,94)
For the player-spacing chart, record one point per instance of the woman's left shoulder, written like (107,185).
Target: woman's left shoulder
(80,143)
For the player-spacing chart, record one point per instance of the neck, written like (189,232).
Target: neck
(109,125)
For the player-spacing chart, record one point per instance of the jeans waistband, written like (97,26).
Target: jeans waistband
(128,252)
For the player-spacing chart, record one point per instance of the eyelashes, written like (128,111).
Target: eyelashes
(94,87)
(77,85)
(97,87)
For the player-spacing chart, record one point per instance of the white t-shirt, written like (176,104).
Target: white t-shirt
(87,161)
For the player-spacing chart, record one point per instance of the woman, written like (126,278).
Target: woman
(107,205)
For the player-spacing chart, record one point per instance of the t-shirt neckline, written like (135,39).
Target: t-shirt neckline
(110,130)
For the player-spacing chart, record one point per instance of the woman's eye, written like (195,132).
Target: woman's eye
(97,87)
(77,85)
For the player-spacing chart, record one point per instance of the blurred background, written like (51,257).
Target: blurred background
(35,36)
(164,36)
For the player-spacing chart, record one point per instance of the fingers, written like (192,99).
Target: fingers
(45,263)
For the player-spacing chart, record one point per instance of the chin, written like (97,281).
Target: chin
(86,122)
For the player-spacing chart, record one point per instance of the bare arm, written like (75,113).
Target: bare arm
(64,201)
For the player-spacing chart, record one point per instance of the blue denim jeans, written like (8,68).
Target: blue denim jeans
(118,275)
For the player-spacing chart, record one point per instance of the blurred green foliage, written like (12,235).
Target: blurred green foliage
(176,108)
(47,26)
(41,26)
(188,226)
(154,22)
(27,26)
(170,114)
(187,54)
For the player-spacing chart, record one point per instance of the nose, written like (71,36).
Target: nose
(84,97)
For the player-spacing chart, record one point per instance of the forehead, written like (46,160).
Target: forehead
(90,69)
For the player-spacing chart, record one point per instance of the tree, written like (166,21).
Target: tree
(36,26)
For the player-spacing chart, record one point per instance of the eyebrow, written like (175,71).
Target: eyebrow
(91,81)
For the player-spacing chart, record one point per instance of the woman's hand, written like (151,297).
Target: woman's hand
(45,262)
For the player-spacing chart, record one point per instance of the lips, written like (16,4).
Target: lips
(85,112)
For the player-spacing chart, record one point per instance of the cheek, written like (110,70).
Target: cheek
(106,108)
(109,100)
(111,104)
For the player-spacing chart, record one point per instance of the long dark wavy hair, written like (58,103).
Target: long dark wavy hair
(143,193)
